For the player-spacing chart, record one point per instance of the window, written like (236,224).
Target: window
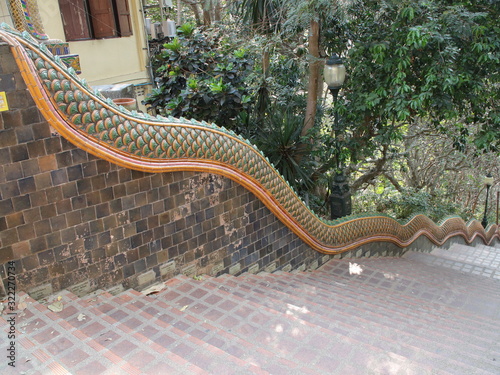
(95,19)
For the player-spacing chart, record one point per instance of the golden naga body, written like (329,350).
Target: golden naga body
(164,144)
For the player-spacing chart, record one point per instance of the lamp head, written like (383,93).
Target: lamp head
(334,72)
(488,180)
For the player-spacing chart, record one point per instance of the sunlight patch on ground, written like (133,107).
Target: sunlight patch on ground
(296,332)
(390,276)
(390,363)
(355,269)
(292,309)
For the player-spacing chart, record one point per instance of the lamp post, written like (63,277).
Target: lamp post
(488,181)
(340,197)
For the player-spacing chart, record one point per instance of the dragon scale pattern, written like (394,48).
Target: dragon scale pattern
(139,141)
(27,17)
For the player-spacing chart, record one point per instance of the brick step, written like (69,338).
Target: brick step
(482,247)
(413,299)
(192,338)
(475,256)
(346,302)
(433,276)
(473,263)
(492,247)
(278,331)
(421,281)
(98,342)
(479,246)
(29,357)
(167,330)
(190,307)
(354,292)
(358,300)
(387,334)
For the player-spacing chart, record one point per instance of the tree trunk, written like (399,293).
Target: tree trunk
(179,12)
(207,20)
(314,78)
(194,7)
(266,62)
(217,11)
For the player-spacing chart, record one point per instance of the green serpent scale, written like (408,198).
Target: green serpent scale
(143,139)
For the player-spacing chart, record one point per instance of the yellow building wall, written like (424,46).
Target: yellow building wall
(104,61)
(4,13)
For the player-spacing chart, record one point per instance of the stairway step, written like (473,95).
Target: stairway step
(135,312)
(480,246)
(417,293)
(248,320)
(69,337)
(178,330)
(293,288)
(98,338)
(466,283)
(227,303)
(418,279)
(355,294)
(491,247)
(408,268)
(202,304)
(388,302)
(466,259)
(474,257)
(373,329)
(29,357)
(398,315)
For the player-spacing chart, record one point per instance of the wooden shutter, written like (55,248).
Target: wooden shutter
(123,15)
(102,18)
(75,19)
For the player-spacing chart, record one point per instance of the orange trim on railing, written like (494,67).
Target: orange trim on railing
(329,238)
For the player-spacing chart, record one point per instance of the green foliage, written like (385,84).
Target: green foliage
(280,140)
(423,59)
(404,205)
(174,46)
(425,67)
(203,76)
(186,29)
(286,81)
(264,16)
(153,11)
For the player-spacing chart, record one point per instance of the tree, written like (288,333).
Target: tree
(202,76)
(263,17)
(313,18)
(427,172)
(424,70)
(411,62)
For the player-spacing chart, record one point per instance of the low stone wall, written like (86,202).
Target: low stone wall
(71,220)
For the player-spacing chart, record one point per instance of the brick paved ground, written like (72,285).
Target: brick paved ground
(435,313)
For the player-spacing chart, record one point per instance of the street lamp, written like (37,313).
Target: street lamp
(340,197)
(334,74)
(488,181)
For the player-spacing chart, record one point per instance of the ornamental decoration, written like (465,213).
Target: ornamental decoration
(26,17)
(165,144)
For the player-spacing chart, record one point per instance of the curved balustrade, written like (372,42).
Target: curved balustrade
(163,144)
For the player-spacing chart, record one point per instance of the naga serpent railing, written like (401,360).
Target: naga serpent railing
(165,144)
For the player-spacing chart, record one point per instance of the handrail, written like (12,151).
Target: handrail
(165,144)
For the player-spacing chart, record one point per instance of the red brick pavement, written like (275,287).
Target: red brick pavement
(435,313)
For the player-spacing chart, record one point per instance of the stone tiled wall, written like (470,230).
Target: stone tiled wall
(71,220)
